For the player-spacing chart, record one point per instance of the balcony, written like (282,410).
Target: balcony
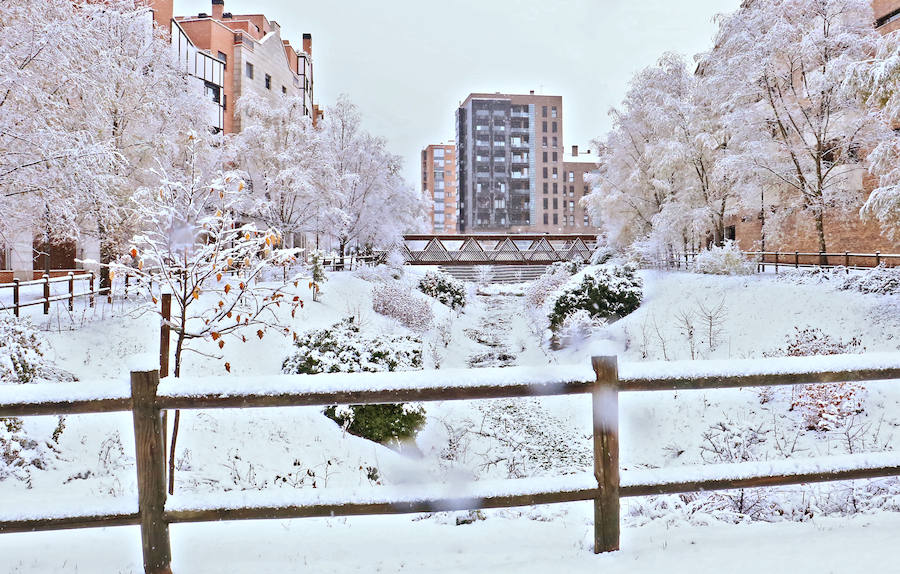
(520,158)
(519,174)
(521,114)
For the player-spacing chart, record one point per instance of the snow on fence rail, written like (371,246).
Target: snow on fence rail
(147,397)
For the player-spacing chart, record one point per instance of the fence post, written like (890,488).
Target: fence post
(151,480)
(796,260)
(877,258)
(16,296)
(71,291)
(847,261)
(776,262)
(46,294)
(823,259)
(91,289)
(606,453)
(126,286)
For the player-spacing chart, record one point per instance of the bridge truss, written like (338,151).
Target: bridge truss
(490,249)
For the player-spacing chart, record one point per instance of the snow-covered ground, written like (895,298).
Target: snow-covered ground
(264,449)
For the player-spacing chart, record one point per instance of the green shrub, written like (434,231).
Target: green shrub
(446,289)
(609,293)
(342,348)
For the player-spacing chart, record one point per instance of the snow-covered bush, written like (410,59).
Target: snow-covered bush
(556,275)
(398,302)
(608,292)
(446,289)
(577,328)
(341,348)
(880,280)
(725,260)
(395,262)
(22,361)
(823,407)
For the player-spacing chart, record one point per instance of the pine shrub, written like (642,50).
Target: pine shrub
(446,289)
(607,293)
(341,348)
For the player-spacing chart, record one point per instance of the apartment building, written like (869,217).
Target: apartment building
(511,166)
(254,56)
(439,185)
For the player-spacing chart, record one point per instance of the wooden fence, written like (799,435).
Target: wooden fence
(798,259)
(604,488)
(45,281)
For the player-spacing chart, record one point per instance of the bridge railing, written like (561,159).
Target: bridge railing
(604,381)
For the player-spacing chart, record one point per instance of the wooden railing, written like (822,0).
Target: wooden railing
(798,259)
(147,398)
(45,281)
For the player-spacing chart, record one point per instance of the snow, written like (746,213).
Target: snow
(674,370)
(279,456)
(547,377)
(64,392)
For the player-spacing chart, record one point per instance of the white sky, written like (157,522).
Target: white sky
(408,63)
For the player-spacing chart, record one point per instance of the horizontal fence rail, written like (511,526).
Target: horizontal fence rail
(91,291)
(604,380)
(800,259)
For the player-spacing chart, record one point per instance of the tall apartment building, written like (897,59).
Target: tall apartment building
(511,166)
(439,184)
(252,53)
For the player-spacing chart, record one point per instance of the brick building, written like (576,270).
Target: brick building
(844,230)
(439,186)
(511,166)
(256,58)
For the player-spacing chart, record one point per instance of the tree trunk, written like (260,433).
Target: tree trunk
(107,256)
(820,232)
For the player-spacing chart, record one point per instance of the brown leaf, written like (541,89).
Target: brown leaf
(221,343)
(227,288)
(228,367)
(214,335)
(260,333)
(219,277)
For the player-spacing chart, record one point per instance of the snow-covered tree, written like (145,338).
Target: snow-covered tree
(876,83)
(278,149)
(191,246)
(665,180)
(364,199)
(782,64)
(91,98)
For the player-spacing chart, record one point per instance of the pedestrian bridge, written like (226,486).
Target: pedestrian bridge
(496,249)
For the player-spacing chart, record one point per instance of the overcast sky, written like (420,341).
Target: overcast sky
(409,63)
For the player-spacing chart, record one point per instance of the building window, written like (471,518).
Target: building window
(544,141)
(553,112)
(544,126)
(544,111)
(545,203)
(284,90)
(546,219)
(268,82)
(554,127)
(587,220)
(545,172)
(555,219)
(730,233)
(555,203)
(224,58)
(249,70)
(571,176)
(545,157)
(546,187)
(555,156)
(212,92)
(554,188)
(554,141)
(572,208)
(555,173)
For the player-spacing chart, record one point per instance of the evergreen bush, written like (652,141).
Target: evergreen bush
(342,348)
(608,292)
(446,289)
